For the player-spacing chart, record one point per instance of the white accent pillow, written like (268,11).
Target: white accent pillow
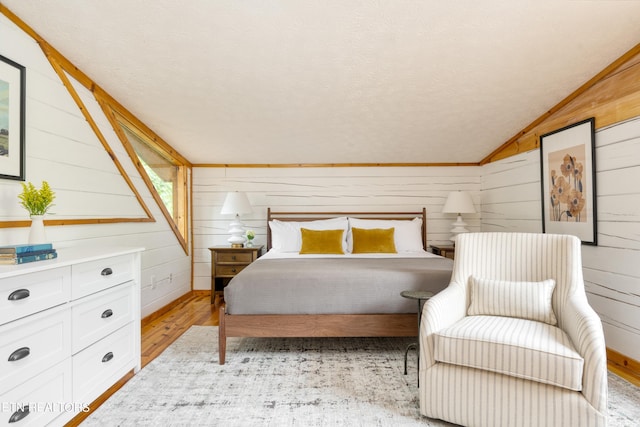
(525,300)
(407,234)
(286,236)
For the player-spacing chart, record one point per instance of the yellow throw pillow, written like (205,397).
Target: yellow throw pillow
(321,241)
(373,240)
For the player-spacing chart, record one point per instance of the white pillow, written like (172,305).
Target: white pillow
(407,234)
(286,236)
(525,300)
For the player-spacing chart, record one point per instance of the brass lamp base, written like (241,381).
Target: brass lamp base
(237,245)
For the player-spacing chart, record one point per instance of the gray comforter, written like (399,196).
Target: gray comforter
(334,285)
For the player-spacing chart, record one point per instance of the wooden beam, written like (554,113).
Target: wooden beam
(329,165)
(98,133)
(60,64)
(511,146)
(110,114)
(60,222)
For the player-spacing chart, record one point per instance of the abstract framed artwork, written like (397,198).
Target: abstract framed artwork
(568,178)
(12,119)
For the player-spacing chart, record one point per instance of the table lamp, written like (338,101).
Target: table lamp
(236,203)
(458,202)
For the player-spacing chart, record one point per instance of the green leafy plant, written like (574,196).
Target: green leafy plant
(36,202)
(250,235)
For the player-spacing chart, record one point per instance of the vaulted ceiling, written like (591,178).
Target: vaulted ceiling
(335,81)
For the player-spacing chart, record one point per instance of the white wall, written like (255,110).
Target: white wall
(376,189)
(62,149)
(511,202)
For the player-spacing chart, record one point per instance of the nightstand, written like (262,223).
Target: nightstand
(445,251)
(226,262)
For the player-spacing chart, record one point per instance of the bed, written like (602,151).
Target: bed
(333,275)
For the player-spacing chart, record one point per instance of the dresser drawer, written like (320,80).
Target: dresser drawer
(239,257)
(30,293)
(228,270)
(100,314)
(99,366)
(93,276)
(32,345)
(44,395)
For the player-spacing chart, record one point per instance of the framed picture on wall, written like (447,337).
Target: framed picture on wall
(568,164)
(12,120)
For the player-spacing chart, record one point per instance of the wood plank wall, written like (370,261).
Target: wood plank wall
(510,197)
(323,189)
(510,193)
(62,149)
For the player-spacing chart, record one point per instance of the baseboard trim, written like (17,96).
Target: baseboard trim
(78,419)
(172,305)
(623,366)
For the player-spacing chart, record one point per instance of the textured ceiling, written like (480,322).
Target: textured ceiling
(336,81)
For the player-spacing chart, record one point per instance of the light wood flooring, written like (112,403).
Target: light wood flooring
(160,330)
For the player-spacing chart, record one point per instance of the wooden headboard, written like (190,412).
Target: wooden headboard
(312,216)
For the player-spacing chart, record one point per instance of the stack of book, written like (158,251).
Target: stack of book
(21,254)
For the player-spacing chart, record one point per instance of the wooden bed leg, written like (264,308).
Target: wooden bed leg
(222,336)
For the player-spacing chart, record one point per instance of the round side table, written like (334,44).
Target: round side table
(421,297)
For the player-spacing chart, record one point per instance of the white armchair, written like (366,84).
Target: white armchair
(501,347)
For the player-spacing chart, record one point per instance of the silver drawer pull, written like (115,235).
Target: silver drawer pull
(233,270)
(20,353)
(106,272)
(107,313)
(19,414)
(107,357)
(19,294)
(233,257)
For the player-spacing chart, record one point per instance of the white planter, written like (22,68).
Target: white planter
(36,232)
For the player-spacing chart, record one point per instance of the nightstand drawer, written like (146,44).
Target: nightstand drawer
(226,262)
(445,251)
(229,270)
(235,257)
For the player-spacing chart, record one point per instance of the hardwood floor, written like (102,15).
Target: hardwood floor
(160,330)
(159,333)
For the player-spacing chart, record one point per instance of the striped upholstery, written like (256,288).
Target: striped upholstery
(526,300)
(472,397)
(478,397)
(518,347)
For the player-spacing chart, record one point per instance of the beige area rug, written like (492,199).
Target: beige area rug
(288,382)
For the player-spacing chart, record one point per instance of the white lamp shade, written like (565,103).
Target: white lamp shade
(236,203)
(459,202)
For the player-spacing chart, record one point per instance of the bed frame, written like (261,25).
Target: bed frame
(320,325)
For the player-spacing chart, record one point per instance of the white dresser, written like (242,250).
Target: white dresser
(69,330)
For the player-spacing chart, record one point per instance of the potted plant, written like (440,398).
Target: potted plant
(250,236)
(37,202)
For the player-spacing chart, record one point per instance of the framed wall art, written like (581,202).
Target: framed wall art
(12,119)
(568,163)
